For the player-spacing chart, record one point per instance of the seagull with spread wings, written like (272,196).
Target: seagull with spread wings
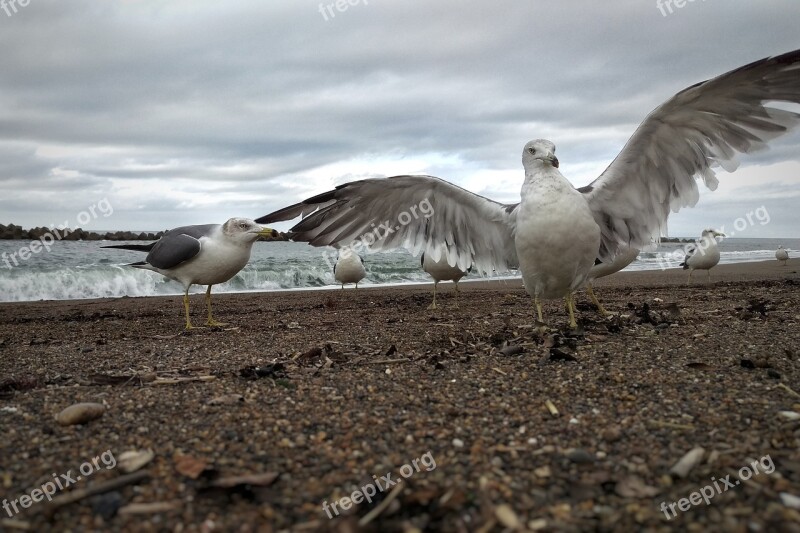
(557,231)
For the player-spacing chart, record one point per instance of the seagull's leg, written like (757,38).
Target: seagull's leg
(538,306)
(457,291)
(186,308)
(356,285)
(709,275)
(211,321)
(571,306)
(433,305)
(689,281)
(595,301)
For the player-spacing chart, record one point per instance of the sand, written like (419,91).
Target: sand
(314,394)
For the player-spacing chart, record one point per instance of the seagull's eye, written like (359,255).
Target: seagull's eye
(243,225)
(532,150)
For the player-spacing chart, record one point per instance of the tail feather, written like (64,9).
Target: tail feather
(134,247)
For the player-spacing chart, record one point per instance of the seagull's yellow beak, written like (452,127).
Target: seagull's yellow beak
(267,232)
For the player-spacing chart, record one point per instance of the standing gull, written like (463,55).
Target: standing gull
(349,268)
(555,233)
(202,255)
(704,254)
(441,271)
(782,255)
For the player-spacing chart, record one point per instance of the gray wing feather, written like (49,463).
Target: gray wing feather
(178,245)
(419,213)
(699,128)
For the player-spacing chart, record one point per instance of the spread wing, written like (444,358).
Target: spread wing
(419,213)
(699,128)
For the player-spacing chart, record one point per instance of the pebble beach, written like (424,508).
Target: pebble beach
(482,419)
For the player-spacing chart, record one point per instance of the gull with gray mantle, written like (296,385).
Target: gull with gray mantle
(441,271)
(204,255)
(349,268)
(557,231)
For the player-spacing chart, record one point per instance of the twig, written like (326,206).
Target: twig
(387,361)
(499,371)
(15,524)
(551,407)
(173,381)
(99,488)
(788,389)
(671,425)
(372,515)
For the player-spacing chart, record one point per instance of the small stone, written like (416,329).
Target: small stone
(506,516)
(579,456)
(106,505)
(80,413)
(686,463)
(133,460)
(790,500)
(773,374)
(458,443)
(543,471)
(227,399)
(612,434)
(790,415)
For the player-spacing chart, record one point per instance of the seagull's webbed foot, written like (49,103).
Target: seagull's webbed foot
(214,324)
(432,307)
(596,302)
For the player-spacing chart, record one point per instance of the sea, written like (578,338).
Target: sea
(72,270)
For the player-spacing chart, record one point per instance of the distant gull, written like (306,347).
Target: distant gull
(441,271)
(556,232)
(782,255)
(204,255)
(349,268)
(704,254)
(624,257)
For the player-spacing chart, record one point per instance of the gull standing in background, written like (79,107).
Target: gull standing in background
(441,271)
(703,255)
(349,268)
(782,255)
(555,233)
(204,255)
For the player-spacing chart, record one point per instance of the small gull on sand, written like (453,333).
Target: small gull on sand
(204,255)
(782,255)
(555,233)
(703,255)
(441,271)
(349,268)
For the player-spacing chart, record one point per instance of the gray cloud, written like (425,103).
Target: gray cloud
(186,112)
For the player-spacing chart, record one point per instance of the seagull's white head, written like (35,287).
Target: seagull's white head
(540,151)
(711,233)
(244,230)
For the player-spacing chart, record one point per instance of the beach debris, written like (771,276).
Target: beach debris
(508,350)
(699,366)
(391,351)
(557,355)
(272,370)
(790,500)
(495,369)
(133,460)
(789,415)
(537,524)
(19,525)
(122,379)
(635,487)
(98,488)
(788,389)
(668,425)
(774,374)
(226,399)
(551,407)
(579,456)
(543,472)
(507,517)
(106,505)
(189,466)
(376,512)
(685,464)
(149,508)
(80,413)
(458,443)
(264,479)
(9,386)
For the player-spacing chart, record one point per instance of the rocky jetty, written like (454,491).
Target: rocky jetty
(14,232)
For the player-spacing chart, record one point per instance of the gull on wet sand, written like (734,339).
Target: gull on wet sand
(441,271)
(782,255)
(200,255)
(556,231)
(703,255)
(349,268)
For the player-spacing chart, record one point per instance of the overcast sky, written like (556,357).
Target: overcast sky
(185,112)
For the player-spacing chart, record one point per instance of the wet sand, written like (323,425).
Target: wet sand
(552,430)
